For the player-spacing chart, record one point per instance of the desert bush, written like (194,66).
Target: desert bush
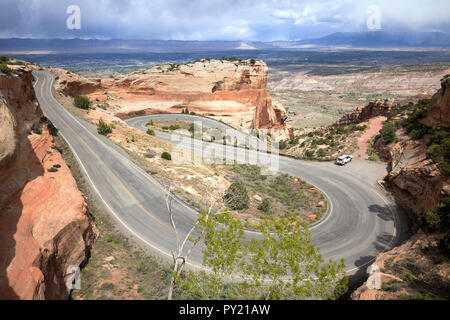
(151,132)
(5,69)
(81,102)
(440,154)
(236,197)
(321,153)
(166,155)
(387,132)
(52,169)
(103,128)
(265,205)
(282,145)
(309,153)
(431,220)
(438,218)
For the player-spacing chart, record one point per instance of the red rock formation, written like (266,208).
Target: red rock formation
(418,186)
(44,226)
(236,91)
(373,109)
(439,110)
(414,179)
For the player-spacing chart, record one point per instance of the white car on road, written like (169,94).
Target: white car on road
(344,159)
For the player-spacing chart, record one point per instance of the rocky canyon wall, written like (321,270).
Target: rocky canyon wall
(44,225)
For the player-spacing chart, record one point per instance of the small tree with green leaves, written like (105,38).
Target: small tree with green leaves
(284,264)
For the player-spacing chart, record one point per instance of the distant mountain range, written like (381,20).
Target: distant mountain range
(372,39)
(383,39)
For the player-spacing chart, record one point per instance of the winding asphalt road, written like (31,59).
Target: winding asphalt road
(362,221)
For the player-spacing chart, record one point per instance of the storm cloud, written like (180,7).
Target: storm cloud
(215,20)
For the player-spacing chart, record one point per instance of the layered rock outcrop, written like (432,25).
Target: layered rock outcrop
(414,178)
(44,225)
(418,186)
(373,109)
(439,110)
(234,92)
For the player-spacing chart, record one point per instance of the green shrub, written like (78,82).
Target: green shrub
(174,127)
(252,61)
(439,218)
(236,197)
(431,220)
(103,128)
(3,59)
(36,129)
(57,166)
(321,153)
(193,113)
(52,169)
(143,267)
(151,132)
(309,153)
(166,155)
(387,132)
(5,69)
(440,154)
(81,102)
(282,145)
(265,205)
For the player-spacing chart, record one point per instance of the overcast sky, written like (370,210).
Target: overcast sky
(216,19)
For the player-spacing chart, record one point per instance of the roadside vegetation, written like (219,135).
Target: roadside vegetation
(104,128)
(82,102)
(324,144)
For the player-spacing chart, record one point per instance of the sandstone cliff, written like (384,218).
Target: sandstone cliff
(44,226)
(373,109)
(234,92)
(439,110)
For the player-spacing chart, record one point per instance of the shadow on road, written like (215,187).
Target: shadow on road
(383,212)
